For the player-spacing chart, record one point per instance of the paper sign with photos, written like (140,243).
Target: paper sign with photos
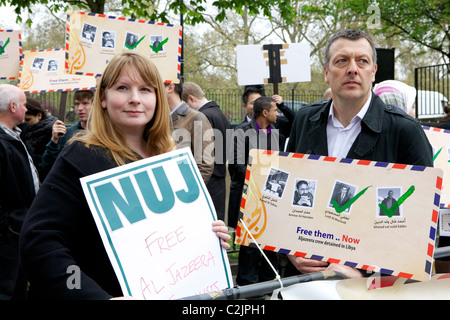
(444,222)
(375,216)
(10,54)
(43,71)
(93,39)
(155,219)
(440,142)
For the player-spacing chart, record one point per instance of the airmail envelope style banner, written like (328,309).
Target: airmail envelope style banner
(10,54)
(93,39)
(43,71)
(155,219)
(440,141)
(374,216)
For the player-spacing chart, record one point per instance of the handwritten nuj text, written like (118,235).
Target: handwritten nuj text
(161,246)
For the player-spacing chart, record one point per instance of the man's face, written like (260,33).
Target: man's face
(351,70)
(83,108)
(303,189)
(21,109)
(249,105)
(272,114)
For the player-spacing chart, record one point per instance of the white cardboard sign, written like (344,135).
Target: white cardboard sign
(155,219)
(253,63)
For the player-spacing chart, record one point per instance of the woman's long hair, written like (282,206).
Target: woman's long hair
(101,131)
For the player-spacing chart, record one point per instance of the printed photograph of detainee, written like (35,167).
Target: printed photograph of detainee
(155,41)
(387,196)
(108,39)
(304,193)
(444,220)
(2,43)
(276,182)
(52,65)
(88,32)
(130,40)
(342,193)
(37,64)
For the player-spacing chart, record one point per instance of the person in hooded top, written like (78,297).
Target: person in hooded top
(36,131)
(398,94)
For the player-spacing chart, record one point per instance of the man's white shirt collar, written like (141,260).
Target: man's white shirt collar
(340,139)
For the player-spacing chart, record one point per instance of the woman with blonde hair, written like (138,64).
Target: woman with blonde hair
(129,120)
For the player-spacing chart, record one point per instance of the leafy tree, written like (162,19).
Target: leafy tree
(194,11)
(425,22)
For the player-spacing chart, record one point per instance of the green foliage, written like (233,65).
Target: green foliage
(425,22)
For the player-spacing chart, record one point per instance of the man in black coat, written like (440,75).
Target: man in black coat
(19,183)
(194,96)
(355,123)
(259,133)
(251,93)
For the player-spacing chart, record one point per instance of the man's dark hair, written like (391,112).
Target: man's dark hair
(80,95)
(250,90)
(262,103)
(349,34)
(300,182)
(178,89)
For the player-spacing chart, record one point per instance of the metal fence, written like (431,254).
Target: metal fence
(433,91)
(229,100)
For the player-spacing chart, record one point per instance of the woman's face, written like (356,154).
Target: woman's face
(33,119)
(130,103)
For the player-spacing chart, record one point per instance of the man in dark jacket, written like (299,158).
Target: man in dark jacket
(19,183)
(194,96)
(259,133)
(251,93)
(355,123)
(61,134)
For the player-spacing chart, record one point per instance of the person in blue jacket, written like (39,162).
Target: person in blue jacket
(61,134)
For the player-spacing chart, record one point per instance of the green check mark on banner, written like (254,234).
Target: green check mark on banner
(159,46)
(436,155)
(134,45)
(390,212)
(2,49)
(346,205)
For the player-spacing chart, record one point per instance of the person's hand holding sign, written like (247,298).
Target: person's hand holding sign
(221,231)
(305,265)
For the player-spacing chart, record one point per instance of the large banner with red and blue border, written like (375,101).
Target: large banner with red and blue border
(375,216)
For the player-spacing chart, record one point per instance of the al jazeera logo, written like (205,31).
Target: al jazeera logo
(253,214)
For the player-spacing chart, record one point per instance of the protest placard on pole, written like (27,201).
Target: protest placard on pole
(93,39)
(44,71)
(10,54)
(376,216)
(273,63)
(440,142)
(155,219)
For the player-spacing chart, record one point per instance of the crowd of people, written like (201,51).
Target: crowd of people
(45,221)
